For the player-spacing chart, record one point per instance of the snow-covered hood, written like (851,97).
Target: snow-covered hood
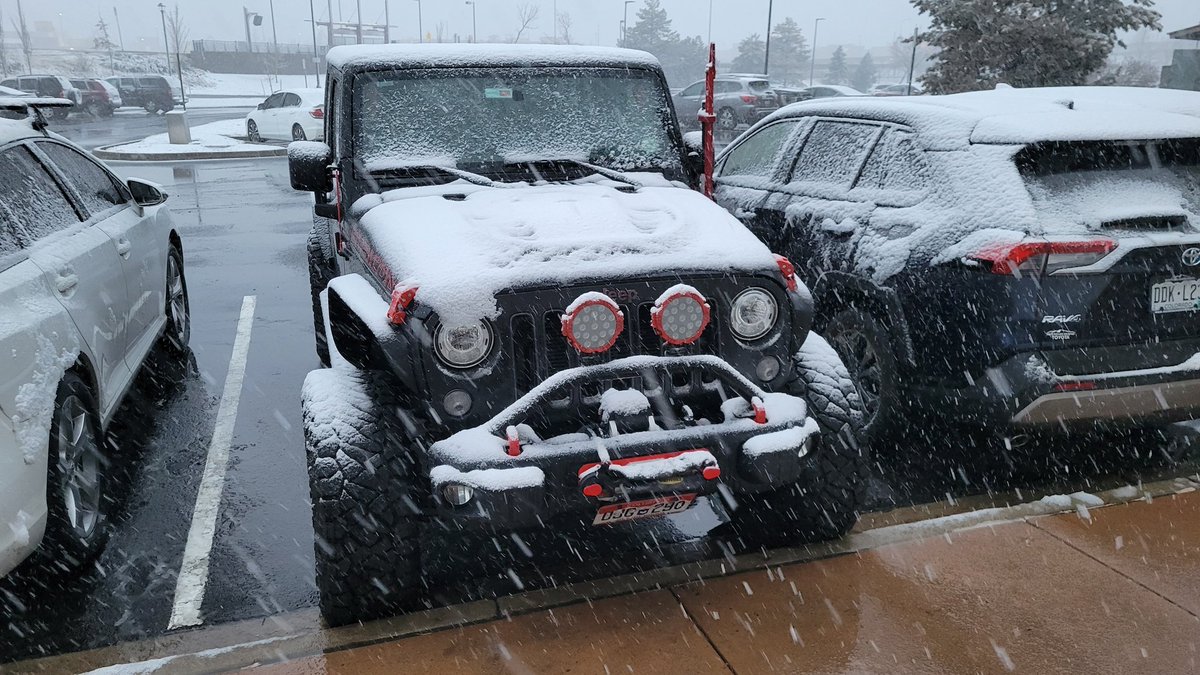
(462,251)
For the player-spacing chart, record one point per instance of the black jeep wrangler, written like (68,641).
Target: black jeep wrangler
(530,317)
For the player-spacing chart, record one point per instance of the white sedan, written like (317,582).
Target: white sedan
(290,115)
(91,286)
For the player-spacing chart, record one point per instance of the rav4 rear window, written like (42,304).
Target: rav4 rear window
(1045,159)
(618,118)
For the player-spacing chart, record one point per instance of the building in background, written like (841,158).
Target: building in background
(1184,71)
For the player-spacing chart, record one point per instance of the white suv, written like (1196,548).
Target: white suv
(91,282)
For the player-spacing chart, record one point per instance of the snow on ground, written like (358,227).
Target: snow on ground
(223,136)
(242,87)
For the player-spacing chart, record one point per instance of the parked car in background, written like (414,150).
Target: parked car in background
(91,279)
(290,115)
(99,99)
(903,89)
(1020,259)
(154,93)
(829,91)
(48,86)
(738,99)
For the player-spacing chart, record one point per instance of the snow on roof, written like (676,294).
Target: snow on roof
(462,253)
(1021,116)
(842,89)
(16,129)
(466,55)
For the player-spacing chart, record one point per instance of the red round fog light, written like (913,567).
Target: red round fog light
(680,315)
(592,323)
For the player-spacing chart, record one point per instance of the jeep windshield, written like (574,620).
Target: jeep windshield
(492,121)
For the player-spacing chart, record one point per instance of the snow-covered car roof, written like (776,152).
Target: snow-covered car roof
(1009,116)
(483,55)
(14,121)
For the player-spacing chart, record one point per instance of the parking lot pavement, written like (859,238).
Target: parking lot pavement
(132,124)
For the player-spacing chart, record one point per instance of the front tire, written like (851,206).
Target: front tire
(150,107)
(178,332)
(78,525)
(825,503)
(361,482)
(298,133)
(252,132)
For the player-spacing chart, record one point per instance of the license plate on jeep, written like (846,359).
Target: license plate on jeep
(646,508)
(1176,295)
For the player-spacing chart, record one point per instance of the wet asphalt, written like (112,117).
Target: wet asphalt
(244,231)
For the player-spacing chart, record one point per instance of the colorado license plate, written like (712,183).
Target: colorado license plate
(646,508)
(1176,295)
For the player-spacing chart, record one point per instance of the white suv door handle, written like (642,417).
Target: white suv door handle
(124,247)
(66,281)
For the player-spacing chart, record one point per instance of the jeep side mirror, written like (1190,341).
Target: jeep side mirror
(308,166)
(693,141)
(146,193)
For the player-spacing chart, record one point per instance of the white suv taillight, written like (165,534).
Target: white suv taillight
(1043,257)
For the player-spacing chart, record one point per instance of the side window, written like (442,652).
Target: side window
(758,155)
(96,187)
(291,101)
(31,204)
(727,87)
(896,164)
(333,119)
(833,153)
(273,101)
(693,90)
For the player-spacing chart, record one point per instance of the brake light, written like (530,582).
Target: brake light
(1043,257)
(749,98)
(402,298)
(788,270)
(1075,386)
(317,113)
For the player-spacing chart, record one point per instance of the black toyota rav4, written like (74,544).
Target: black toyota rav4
(529,315)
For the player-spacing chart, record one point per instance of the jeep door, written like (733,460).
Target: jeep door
(135,233)
(80,264)
(822,219)
(749,175)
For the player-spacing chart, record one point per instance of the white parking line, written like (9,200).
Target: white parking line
(193,573)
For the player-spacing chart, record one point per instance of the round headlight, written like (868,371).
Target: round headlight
(592,324)
(680,317)
(754,313)
(463,346)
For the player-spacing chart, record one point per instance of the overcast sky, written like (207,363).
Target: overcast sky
(851,22)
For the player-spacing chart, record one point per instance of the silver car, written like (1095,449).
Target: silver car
(91,279)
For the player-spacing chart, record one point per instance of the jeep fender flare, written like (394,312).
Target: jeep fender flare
(361,332)
(835,290)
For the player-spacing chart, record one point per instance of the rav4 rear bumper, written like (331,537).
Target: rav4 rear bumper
(503,475)
(1025,392)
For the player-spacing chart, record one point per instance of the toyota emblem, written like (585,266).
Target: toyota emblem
(1191,257)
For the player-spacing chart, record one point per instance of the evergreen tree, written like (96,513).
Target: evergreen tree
(1024,43)
(839,72)
(683,59)
(864,74)
(751,51)
(789,53)
(102,41)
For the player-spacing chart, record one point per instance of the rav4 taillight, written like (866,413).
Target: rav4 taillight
(750,98)
(1043,257)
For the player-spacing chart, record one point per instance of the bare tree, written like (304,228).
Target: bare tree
(177,30)
(26,39)
(564,27)
(439,31)
(528,14)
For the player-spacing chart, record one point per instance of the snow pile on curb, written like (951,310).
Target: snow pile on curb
(216,137)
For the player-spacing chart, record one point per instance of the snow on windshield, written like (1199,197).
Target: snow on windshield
(614,117)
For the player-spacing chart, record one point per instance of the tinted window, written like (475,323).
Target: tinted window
(79,84)
(273,101)
(31,203)
(896,164)
(11,84)
(759,86)
(757,155)
(693,90)
(727,87)
(833,153)
(96,187)
(291,101)
(151,82)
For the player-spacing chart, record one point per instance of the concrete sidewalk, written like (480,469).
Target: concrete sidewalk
(1113,589)
(1096,589)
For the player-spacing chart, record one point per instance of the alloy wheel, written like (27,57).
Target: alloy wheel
(178,310)
(79,467)
(252,132)
(859,355)
(726,119)
(298,133)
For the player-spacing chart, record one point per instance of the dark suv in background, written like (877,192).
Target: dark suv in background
(737,100)
(154,93)
(969,264)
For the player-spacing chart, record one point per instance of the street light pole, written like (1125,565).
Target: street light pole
(474,30)
(812,70)
(625,21)
(312,12)
(274,35)
(120,37)
(420,24)
(246,14)
(359,30)
(767,56)
(387,22)
(162,9)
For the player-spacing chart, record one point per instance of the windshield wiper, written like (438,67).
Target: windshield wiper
(473,178)
(608,173)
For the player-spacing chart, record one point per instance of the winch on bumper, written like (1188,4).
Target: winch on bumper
(640,445)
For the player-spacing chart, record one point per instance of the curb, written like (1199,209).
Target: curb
(300,634)
(113,153)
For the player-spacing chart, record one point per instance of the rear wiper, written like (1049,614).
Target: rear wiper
(598,170)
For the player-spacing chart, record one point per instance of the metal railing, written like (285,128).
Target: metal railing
(240,46)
